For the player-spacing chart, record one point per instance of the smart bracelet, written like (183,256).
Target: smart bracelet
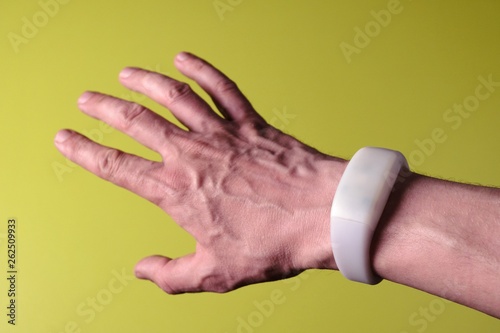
(357,206)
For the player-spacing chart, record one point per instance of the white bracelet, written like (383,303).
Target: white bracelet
(357,206)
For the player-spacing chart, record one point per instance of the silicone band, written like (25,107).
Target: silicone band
(357,206)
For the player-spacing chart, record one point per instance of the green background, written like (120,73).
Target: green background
(77,233)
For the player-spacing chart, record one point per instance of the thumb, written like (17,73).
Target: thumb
(174,276)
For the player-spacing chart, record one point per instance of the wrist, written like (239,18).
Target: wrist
(316,249)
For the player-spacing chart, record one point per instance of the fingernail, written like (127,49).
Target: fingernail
(62,136)
(183,56)
(84,97)
(125,73)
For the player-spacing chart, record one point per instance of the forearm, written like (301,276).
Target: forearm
(443,238)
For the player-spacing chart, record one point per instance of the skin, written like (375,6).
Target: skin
(258,201)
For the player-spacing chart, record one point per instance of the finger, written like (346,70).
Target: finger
(225,93)
(174,276)
(189,108)
(128,171)
(181,275)
(135,120)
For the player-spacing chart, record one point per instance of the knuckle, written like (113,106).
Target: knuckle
(165,286)
(152,81)
(225,85)
(176,92)
(252,129)
(198,65)
(130,112)
(109,163)
(215,280)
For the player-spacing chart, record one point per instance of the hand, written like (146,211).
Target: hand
(256,200)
